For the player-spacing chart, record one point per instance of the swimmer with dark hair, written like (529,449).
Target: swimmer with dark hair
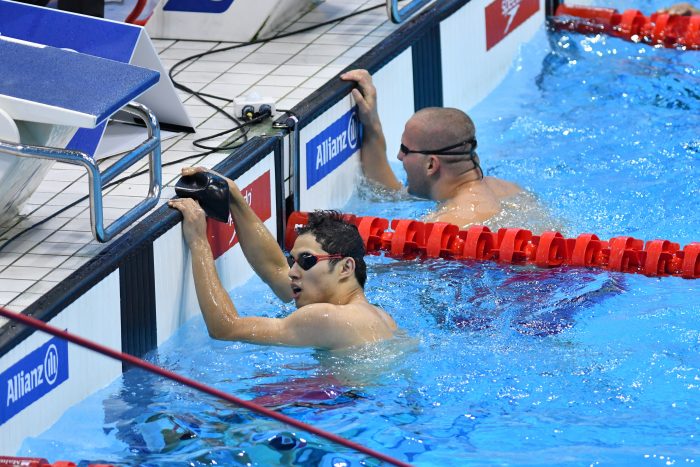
(324,274)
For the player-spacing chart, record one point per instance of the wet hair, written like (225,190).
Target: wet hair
(337,237)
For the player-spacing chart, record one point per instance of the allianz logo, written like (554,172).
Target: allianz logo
(332,146)
(24,382)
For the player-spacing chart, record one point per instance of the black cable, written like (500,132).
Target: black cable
(201,96)
(244,134)
(142,172)
(215,97)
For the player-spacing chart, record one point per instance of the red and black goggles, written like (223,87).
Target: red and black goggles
(306,260)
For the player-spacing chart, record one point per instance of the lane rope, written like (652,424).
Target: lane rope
(410,239)
(658,29)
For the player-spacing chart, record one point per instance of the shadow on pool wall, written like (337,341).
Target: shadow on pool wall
(139,290)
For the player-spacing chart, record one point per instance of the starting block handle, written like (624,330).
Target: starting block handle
(399,15)
(97,180)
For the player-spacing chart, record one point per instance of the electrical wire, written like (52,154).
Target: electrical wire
(199,95)
(203,97)
(210,150)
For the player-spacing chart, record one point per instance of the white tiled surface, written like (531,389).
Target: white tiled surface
(287,69)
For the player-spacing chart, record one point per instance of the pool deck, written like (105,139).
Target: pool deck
(287,70)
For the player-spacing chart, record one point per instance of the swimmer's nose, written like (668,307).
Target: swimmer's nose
(294,271)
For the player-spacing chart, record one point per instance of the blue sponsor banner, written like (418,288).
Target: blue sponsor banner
(332,147)
(198,6)
(31,378)
(84,34)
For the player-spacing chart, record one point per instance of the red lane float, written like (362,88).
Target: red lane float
(410,239)
(10,461)
(659,29)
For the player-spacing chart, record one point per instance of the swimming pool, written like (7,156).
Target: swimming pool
(498,364)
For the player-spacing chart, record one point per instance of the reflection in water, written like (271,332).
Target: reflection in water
(479,296)
(201,432)
(464,358)
(162,423)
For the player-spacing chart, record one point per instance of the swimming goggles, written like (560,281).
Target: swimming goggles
(306,260)
(446,151)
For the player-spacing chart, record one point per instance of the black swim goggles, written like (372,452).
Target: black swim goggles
(446,151)
(306,260)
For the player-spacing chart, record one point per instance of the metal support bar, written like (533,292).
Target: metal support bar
(398,16)
(97,180)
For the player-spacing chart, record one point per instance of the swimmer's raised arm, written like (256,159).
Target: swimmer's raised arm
(319,325)
(328,287)
(373,154)
(216,305)
(259,246)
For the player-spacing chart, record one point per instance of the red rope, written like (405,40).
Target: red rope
(37,324)
(409,239)
(138,8)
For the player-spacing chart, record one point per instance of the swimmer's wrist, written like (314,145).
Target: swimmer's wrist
(372,127)
(237,199)
(199,244)
(238,206)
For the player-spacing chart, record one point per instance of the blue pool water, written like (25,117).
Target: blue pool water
(496,364)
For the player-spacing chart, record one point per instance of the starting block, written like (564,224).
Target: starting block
(125,43)
(46,94)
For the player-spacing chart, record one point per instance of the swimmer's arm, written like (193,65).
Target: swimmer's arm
(373,156)
(310,326)
(218,309)
(306,327)
(375,165)
(216,305)
(259,246)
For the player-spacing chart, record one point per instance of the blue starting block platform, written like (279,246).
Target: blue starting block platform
(60,87)
(112,40)
(61,90)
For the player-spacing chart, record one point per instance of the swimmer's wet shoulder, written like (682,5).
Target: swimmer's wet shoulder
(474,203)
(331,327)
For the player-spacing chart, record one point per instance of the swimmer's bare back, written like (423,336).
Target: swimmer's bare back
(475,203)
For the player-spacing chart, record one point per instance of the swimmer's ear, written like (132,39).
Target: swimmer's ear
(347,267)
(432,164)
